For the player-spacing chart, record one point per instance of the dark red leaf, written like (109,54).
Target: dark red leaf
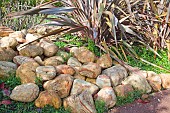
(6,102)
(2,85)
(143,101)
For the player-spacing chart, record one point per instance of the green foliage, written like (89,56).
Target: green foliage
(131,97)
(100,106)
(92,47)
(149,56)
(12,81)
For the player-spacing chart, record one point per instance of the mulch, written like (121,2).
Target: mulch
(158,103)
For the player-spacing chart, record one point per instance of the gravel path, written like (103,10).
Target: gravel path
(159,103)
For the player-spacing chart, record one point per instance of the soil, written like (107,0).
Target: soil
(158,103)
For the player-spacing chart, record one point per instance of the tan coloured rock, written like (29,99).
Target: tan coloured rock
(81,85)
(25,92)
(91,70)
(30,37)
(105,61)
(103,81)
(154,80)
(8,42)
(107,95)
(74,51)
(84,55)
(123,90)
(42,30)
(116,73)
(138,82)
(65,69)
(91,80)
(53,61)
(7,54)
(39,60)
(50,49)
(61,84)
(65,55)
(26,72)
(6,68)
(48,98)
(21,59)
(73,62)
(18,35)
(165,77)
(31,51)
(46,72)
(80,103)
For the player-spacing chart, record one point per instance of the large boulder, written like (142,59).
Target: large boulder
(103,81)
(8,42)
(123,90)
(81,85)
(61,84)
(46,72)
(49,97)
(27,72)
(21,59)
(65,69)
(7,54)
(80,103)
(154,80)
(25,92)
(50,49)
(91,70)
(165,77)
(6,68)
(138,82)
(107,95)
(105,61)
(31,51)
(53,61)
(83,54)
(116,73)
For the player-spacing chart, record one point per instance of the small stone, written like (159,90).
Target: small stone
(123,90)
(107,95)
(91,70)
(74,51)
(81,85)
(80,103)
(8,42)
(18,35)
(30,37)
(49,97)
(105,61)
(46,72)
(154,80)
(53,61)
(91,80)
(26,72)
(25,92)
(116,73)
(42,30)
(61,84)
(103,81)
(64,69)
(6,68)
(7,54)
(21,59)
(50,49)
(73,62)
(165,80)
(39,60)
(31,51)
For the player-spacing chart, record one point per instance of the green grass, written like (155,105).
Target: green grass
(100,106)
(149,56)
(131,97)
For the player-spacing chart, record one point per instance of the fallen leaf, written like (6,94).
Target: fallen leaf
(2,85)
(6,92)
